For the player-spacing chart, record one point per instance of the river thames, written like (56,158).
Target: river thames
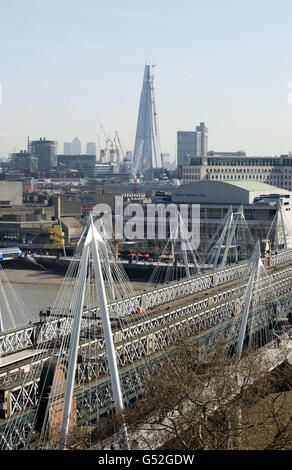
(39,289)
(36,289)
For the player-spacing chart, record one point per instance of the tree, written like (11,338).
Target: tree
(202,399)
(212,402)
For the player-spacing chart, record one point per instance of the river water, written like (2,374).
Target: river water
(39,289)
(36,289)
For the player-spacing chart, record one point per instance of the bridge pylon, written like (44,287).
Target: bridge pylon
(180,258)
(256,262)
(93,242)
(232,241)
(280,231)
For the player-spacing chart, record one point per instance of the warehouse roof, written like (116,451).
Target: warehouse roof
(251,185)
(227,192)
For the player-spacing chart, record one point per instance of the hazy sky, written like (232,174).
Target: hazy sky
(65,64)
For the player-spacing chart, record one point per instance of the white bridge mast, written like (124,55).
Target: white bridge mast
(92,241)
(248,296)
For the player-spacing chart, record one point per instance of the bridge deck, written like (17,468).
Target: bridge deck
(202,311)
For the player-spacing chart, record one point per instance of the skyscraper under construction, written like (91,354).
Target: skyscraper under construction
(147,155)
(44,153)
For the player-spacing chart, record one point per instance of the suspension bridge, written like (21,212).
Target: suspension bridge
(93,351)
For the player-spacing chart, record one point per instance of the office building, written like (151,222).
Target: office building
(191,144)
(44,152)
(67,148)
(104,156)
(76,146)
(202,140)
(82,163)
(165,158)
(276,171)
(186,146)
(90,148)
(114,156)
(23,160)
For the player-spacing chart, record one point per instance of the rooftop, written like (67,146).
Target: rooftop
(251,185)
(227,192)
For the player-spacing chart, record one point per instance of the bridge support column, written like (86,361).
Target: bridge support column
(1,324)
(107,263)
(226,227)
(91,241)
(280,208)
(248,296)
(74,341)
(231,235)
(110,349)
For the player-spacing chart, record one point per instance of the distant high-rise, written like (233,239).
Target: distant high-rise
(82,163)
(165,157)
(44,152)
(186,146)
(113,156)
(23,160)
(90,148)
(192,144)
(67,148)
(147,154)
(104,155)
(76,146)
(202,140)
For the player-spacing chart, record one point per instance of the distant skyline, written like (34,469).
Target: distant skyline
(67,65)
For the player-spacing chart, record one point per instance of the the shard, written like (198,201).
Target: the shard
(147,155)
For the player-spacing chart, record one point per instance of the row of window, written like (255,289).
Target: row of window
(238,177)
(246,161)
(286,184)
(237,170)
(246,170)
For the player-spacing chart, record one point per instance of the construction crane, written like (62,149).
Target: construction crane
(99,147)
(108,141)
(123,167)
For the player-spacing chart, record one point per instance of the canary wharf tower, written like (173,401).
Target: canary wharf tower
(147,155)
